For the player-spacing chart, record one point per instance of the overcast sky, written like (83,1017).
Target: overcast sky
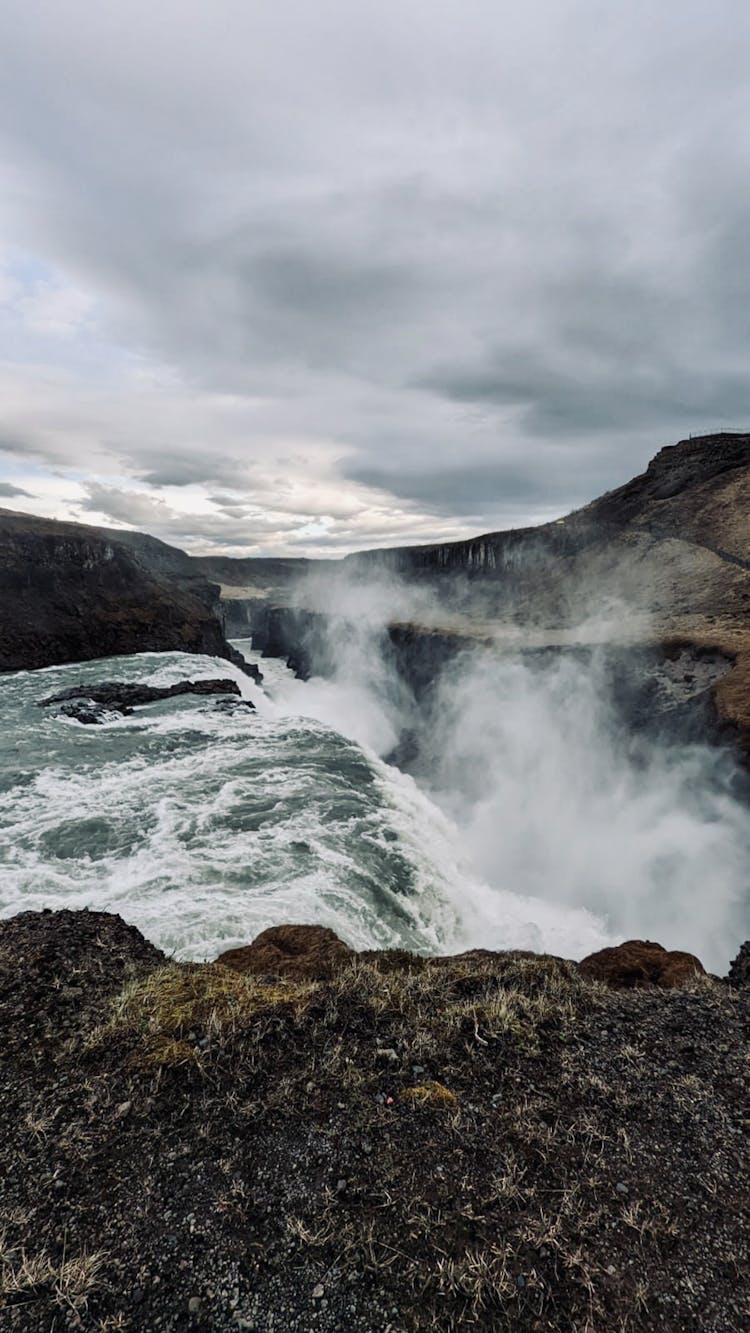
(305,277)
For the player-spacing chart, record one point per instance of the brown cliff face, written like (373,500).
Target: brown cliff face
(70,593)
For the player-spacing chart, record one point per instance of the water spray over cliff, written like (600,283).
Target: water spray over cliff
(563,780)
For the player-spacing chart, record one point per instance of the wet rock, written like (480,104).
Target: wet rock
(739,972)
(90,714)
(233,706)
(91,703)
(641,963)
(290,951)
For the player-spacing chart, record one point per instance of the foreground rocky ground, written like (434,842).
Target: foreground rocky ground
(489,1142)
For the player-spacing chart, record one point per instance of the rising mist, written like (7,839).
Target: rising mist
(555,790)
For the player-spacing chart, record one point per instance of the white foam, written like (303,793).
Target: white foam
(202,827)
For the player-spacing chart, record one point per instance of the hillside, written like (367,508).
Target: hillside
(670,549)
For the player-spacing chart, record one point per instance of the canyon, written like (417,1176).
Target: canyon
(654,576)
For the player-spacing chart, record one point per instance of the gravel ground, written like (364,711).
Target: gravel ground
(490,1142)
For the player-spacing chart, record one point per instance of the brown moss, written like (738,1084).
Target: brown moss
(290,951)
(641,963)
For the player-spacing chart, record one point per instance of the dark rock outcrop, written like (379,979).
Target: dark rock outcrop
(90,714)
(124,696)
(641,963)
(55,965)
(233,705)
(739,972)
(94,704)
(313,952)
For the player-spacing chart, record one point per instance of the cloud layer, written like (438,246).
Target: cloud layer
(304,279)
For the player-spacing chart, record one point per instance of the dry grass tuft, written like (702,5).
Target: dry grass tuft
(468,999)
(481,1276)
(167,1051)
(184,998)
(181,996)
(71,1281)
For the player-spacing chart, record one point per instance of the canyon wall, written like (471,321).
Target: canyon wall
(71,593)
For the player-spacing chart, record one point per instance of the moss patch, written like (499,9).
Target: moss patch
(430,1094)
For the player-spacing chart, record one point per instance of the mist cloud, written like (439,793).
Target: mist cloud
(570,825)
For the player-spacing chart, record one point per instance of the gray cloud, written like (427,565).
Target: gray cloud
(6,489)
(370,276)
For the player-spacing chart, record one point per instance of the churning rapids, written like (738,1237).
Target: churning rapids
(202,826)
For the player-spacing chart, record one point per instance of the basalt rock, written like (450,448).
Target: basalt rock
(90,714)
(93,703)
(290,951)
(739,972)
(70,592)
(641,963)
(233,706)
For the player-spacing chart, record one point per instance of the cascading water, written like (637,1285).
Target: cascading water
(202,823)
(203,826)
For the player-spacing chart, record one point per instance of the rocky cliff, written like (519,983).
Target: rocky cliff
(667,500)
(70,593)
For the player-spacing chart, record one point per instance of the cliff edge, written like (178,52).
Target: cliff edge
(70,593)
(486,1142)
